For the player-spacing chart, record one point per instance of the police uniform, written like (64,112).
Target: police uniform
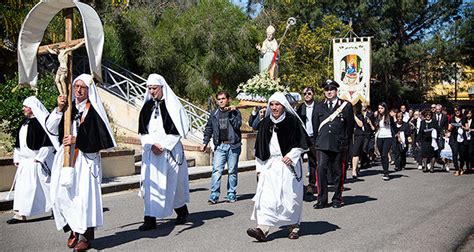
(332,140)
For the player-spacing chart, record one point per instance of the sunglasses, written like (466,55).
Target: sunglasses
(308,93)
(329,88)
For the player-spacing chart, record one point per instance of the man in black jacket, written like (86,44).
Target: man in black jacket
(333,129)
(224,128)
(307,113)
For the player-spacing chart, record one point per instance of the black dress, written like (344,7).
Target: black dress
(425,140)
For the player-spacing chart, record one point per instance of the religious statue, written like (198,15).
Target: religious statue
(61,74)
(269,53)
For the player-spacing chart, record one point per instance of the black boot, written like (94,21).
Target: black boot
(183,214)
(148,224)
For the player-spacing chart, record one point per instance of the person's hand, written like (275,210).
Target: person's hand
(258,47)
(261,113)
(230,108)
(157,149)
(69,140)
(62,100)
(286,160)
(203,148)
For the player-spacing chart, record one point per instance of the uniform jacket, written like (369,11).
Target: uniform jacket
(336,133)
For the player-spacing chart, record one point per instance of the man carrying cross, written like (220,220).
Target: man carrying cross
(75,191)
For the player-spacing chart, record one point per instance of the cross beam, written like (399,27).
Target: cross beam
(61,45)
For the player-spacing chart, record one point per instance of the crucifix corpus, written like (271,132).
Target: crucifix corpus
(64,73)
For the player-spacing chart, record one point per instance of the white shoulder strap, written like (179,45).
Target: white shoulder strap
(333,115)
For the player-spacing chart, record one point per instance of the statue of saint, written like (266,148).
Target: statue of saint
(61,74)
(269,53)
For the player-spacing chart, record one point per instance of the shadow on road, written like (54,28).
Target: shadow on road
(306,228)
(198,189)
(357,199)
(245,196)
(163,228)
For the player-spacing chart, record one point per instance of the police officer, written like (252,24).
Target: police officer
(333,129)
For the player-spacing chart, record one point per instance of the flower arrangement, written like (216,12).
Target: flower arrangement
(259,88)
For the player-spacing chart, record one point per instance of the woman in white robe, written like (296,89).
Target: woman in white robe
(33,156)
(279,195)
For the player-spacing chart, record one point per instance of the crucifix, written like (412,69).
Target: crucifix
(68,44)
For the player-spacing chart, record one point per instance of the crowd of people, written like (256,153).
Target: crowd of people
(333,134)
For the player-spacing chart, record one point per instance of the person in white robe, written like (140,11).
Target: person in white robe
(33,157)
(281,139)
(164,183)
(76,190)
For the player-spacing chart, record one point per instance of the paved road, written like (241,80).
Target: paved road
(411,212)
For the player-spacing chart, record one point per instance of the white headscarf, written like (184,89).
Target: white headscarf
(173,105)
(95,101)
(40,112)
(281,98)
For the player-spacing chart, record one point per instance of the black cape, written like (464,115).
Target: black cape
(36,137)
(145,116)
(92,135)
(290,134)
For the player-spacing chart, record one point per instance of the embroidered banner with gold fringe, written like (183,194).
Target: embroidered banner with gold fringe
(352,66)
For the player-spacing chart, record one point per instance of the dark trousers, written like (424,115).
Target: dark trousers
(400,155)
(459,154)
(312,166)
(384,144)
(329,161)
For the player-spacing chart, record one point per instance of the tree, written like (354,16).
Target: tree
(209,46)
(399,29)
(12,100)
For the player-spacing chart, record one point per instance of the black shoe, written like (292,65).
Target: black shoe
(183,214)
(149,224)
(14,221)
(180,220)
(256,233)
(336,204)
(386,177)
(321,205)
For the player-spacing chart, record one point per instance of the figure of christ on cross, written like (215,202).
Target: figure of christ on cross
(62,72)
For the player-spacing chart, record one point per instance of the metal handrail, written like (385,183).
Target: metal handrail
(131,88)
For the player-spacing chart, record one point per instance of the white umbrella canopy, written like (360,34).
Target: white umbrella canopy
(32,31)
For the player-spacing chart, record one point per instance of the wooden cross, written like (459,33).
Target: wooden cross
(69,42)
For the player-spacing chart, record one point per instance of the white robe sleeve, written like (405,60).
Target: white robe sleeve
(43,153)
(52,124)
(295,155)
(259,165)
(16,156)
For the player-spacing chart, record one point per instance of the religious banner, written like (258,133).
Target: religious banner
(352,64)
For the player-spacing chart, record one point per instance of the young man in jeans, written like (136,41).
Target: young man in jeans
(224,128)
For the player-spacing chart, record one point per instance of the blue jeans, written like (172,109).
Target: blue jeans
(222,155)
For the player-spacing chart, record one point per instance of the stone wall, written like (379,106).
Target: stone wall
(115,163)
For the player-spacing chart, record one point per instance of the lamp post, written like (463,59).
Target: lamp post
(456,18)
